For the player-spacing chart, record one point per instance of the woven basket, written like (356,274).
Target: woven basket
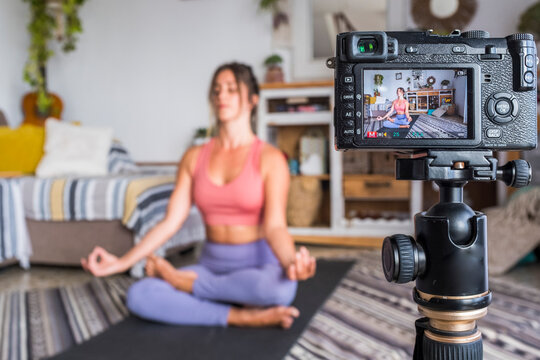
(356,162)
(305,196)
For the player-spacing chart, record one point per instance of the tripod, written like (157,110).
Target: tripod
(449,257)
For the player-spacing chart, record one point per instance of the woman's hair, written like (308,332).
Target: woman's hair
(402,90)
(242,74)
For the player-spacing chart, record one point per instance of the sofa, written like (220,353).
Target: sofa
(44,225)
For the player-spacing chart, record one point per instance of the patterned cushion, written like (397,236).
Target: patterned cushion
(120,162)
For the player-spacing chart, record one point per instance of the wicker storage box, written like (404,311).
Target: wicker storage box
(356,162)
(305,196)
(383,163)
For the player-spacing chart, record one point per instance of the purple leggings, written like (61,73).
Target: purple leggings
(246,274)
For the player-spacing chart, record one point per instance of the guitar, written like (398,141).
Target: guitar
(31,113)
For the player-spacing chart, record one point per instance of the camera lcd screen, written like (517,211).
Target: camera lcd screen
(415,103)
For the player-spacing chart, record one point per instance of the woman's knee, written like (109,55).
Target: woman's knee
(285,292)
(275,290)
(139,295)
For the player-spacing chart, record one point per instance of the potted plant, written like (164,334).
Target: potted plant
(274,72)
(377,80)
(46,17)
(445,83)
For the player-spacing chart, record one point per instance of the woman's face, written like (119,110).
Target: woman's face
(399,92)
(230,100)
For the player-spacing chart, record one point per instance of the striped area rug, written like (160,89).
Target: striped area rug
(43,322)
(368,318)
(365,318)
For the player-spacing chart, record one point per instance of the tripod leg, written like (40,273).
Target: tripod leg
(421,325)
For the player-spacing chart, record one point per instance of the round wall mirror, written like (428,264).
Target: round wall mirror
(443,16)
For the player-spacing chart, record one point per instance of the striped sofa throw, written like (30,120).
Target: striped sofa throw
(14,239)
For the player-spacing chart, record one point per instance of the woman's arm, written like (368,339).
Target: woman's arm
(387,116)
(177,212)
(407,112)
(301,265)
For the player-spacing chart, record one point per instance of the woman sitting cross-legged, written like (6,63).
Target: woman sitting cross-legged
(248,270)
(401,107)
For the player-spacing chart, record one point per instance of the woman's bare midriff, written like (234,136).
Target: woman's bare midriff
(233,234)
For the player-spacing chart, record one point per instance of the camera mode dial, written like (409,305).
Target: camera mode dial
(403,259)
(475,34)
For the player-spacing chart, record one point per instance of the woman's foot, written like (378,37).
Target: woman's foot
(256,317)
(181,279)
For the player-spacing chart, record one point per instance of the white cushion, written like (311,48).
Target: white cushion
(74,150)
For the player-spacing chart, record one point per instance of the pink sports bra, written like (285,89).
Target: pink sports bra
(240,201)
(400,106)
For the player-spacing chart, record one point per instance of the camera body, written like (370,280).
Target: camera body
(463,91)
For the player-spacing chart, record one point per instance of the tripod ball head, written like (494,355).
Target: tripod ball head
(403,259)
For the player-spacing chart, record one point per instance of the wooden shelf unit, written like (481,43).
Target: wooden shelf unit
(284,128)
(423,100)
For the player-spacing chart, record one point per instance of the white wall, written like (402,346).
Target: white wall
(143,67)
(14,42)
(498,17)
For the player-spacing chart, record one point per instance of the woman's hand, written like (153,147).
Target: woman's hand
(379,118)
(303,267)
(102,263)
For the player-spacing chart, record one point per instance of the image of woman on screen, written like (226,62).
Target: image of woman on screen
(401,107)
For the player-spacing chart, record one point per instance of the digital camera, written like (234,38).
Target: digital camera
(418,90)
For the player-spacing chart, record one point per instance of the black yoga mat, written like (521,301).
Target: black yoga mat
(134,338)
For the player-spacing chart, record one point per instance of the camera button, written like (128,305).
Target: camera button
(411,49)
(503,119)
(458,49)
(515,107)
(502,95)
(348,79)
(348,114)
(529,60)
(348,132)
(503,107)
(493,133)
(491,108)
(347,97)
(348,124)
(528,77)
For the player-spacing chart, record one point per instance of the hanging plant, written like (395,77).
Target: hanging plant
(377,79)
(43,23)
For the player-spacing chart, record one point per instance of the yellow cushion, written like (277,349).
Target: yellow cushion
(21,148)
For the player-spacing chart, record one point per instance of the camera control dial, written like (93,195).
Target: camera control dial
(403,259)
(502,108)
(475,34)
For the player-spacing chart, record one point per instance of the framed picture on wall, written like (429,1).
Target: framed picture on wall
(398,76)
(315,24)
